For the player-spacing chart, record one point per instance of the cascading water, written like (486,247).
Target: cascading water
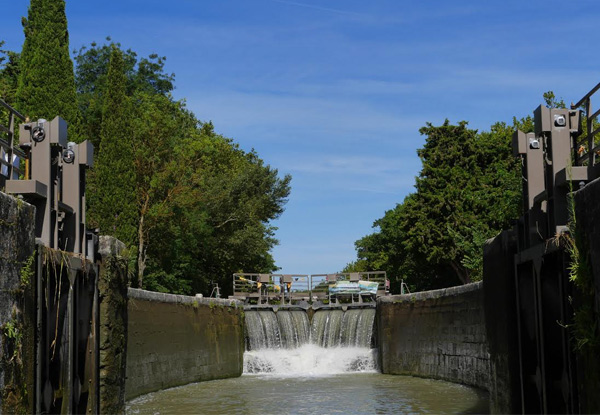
(285,344)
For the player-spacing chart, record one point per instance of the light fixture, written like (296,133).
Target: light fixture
(38,134)
(560,120)
(68,155)
(534,143)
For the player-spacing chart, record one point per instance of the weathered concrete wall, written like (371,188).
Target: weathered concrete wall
(437,334)
(174,340)
(112,286)
(17,312)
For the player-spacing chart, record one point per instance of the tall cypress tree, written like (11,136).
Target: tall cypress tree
(112,191)
(46,85)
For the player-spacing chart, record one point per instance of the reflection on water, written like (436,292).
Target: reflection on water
(352,393)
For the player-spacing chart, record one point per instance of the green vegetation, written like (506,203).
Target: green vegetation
(9,74)
(46,83)
(190,205)
(202,206)
(27,271)
(467,191)
(584,329)
(111,183)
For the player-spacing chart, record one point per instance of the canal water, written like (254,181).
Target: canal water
(325,367)
(352,393)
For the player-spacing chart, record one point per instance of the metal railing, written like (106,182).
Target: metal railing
(587,148)
(271,286)
(259,287)
(10,154)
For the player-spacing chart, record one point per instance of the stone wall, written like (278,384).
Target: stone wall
(174,340)
(438,334)
(17,311)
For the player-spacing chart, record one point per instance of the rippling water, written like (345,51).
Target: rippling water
(352,393)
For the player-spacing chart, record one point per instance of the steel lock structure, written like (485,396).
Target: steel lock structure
(560,156)
(44,169)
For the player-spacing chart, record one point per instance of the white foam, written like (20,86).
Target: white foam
(310,360)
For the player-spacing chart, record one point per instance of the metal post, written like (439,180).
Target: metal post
(38,350)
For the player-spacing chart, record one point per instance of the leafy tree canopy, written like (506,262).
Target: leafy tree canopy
(46,84)
(192,207)
(467,191)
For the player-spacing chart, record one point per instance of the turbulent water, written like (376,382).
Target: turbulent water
(310,360)
(286,344)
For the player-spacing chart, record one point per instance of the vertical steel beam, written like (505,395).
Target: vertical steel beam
(39,289)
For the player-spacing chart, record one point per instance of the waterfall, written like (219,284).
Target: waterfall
(285,343)
(333,328)
(269,330)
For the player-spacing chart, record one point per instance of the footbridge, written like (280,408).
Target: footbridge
(339,290)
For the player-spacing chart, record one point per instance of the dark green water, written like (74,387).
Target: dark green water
(352,393)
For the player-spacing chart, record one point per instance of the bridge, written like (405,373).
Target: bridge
(339,290)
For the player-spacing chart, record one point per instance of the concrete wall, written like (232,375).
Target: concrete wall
(174,340)
(438,334)
(17,312)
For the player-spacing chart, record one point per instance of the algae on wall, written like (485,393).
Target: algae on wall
(112,286)
(17,309)
(176,339)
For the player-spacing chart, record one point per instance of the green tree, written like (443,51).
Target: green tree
(143,74)
(9,74)
(219,221)
(112,183)
(46,86)
(467,191)
(157,125)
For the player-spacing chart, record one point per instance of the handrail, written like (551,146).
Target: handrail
(10,155)
(586,149)
(586,97)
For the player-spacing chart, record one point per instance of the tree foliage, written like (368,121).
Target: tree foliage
(92,62)
(467,191)
(202,206)
(9,74)
(46,84)
(112,184)
(190,204)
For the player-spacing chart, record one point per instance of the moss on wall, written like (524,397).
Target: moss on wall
(17,309)
(112,286)
(175,340)
(436,334)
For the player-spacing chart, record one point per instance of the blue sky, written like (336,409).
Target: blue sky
(334,92)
